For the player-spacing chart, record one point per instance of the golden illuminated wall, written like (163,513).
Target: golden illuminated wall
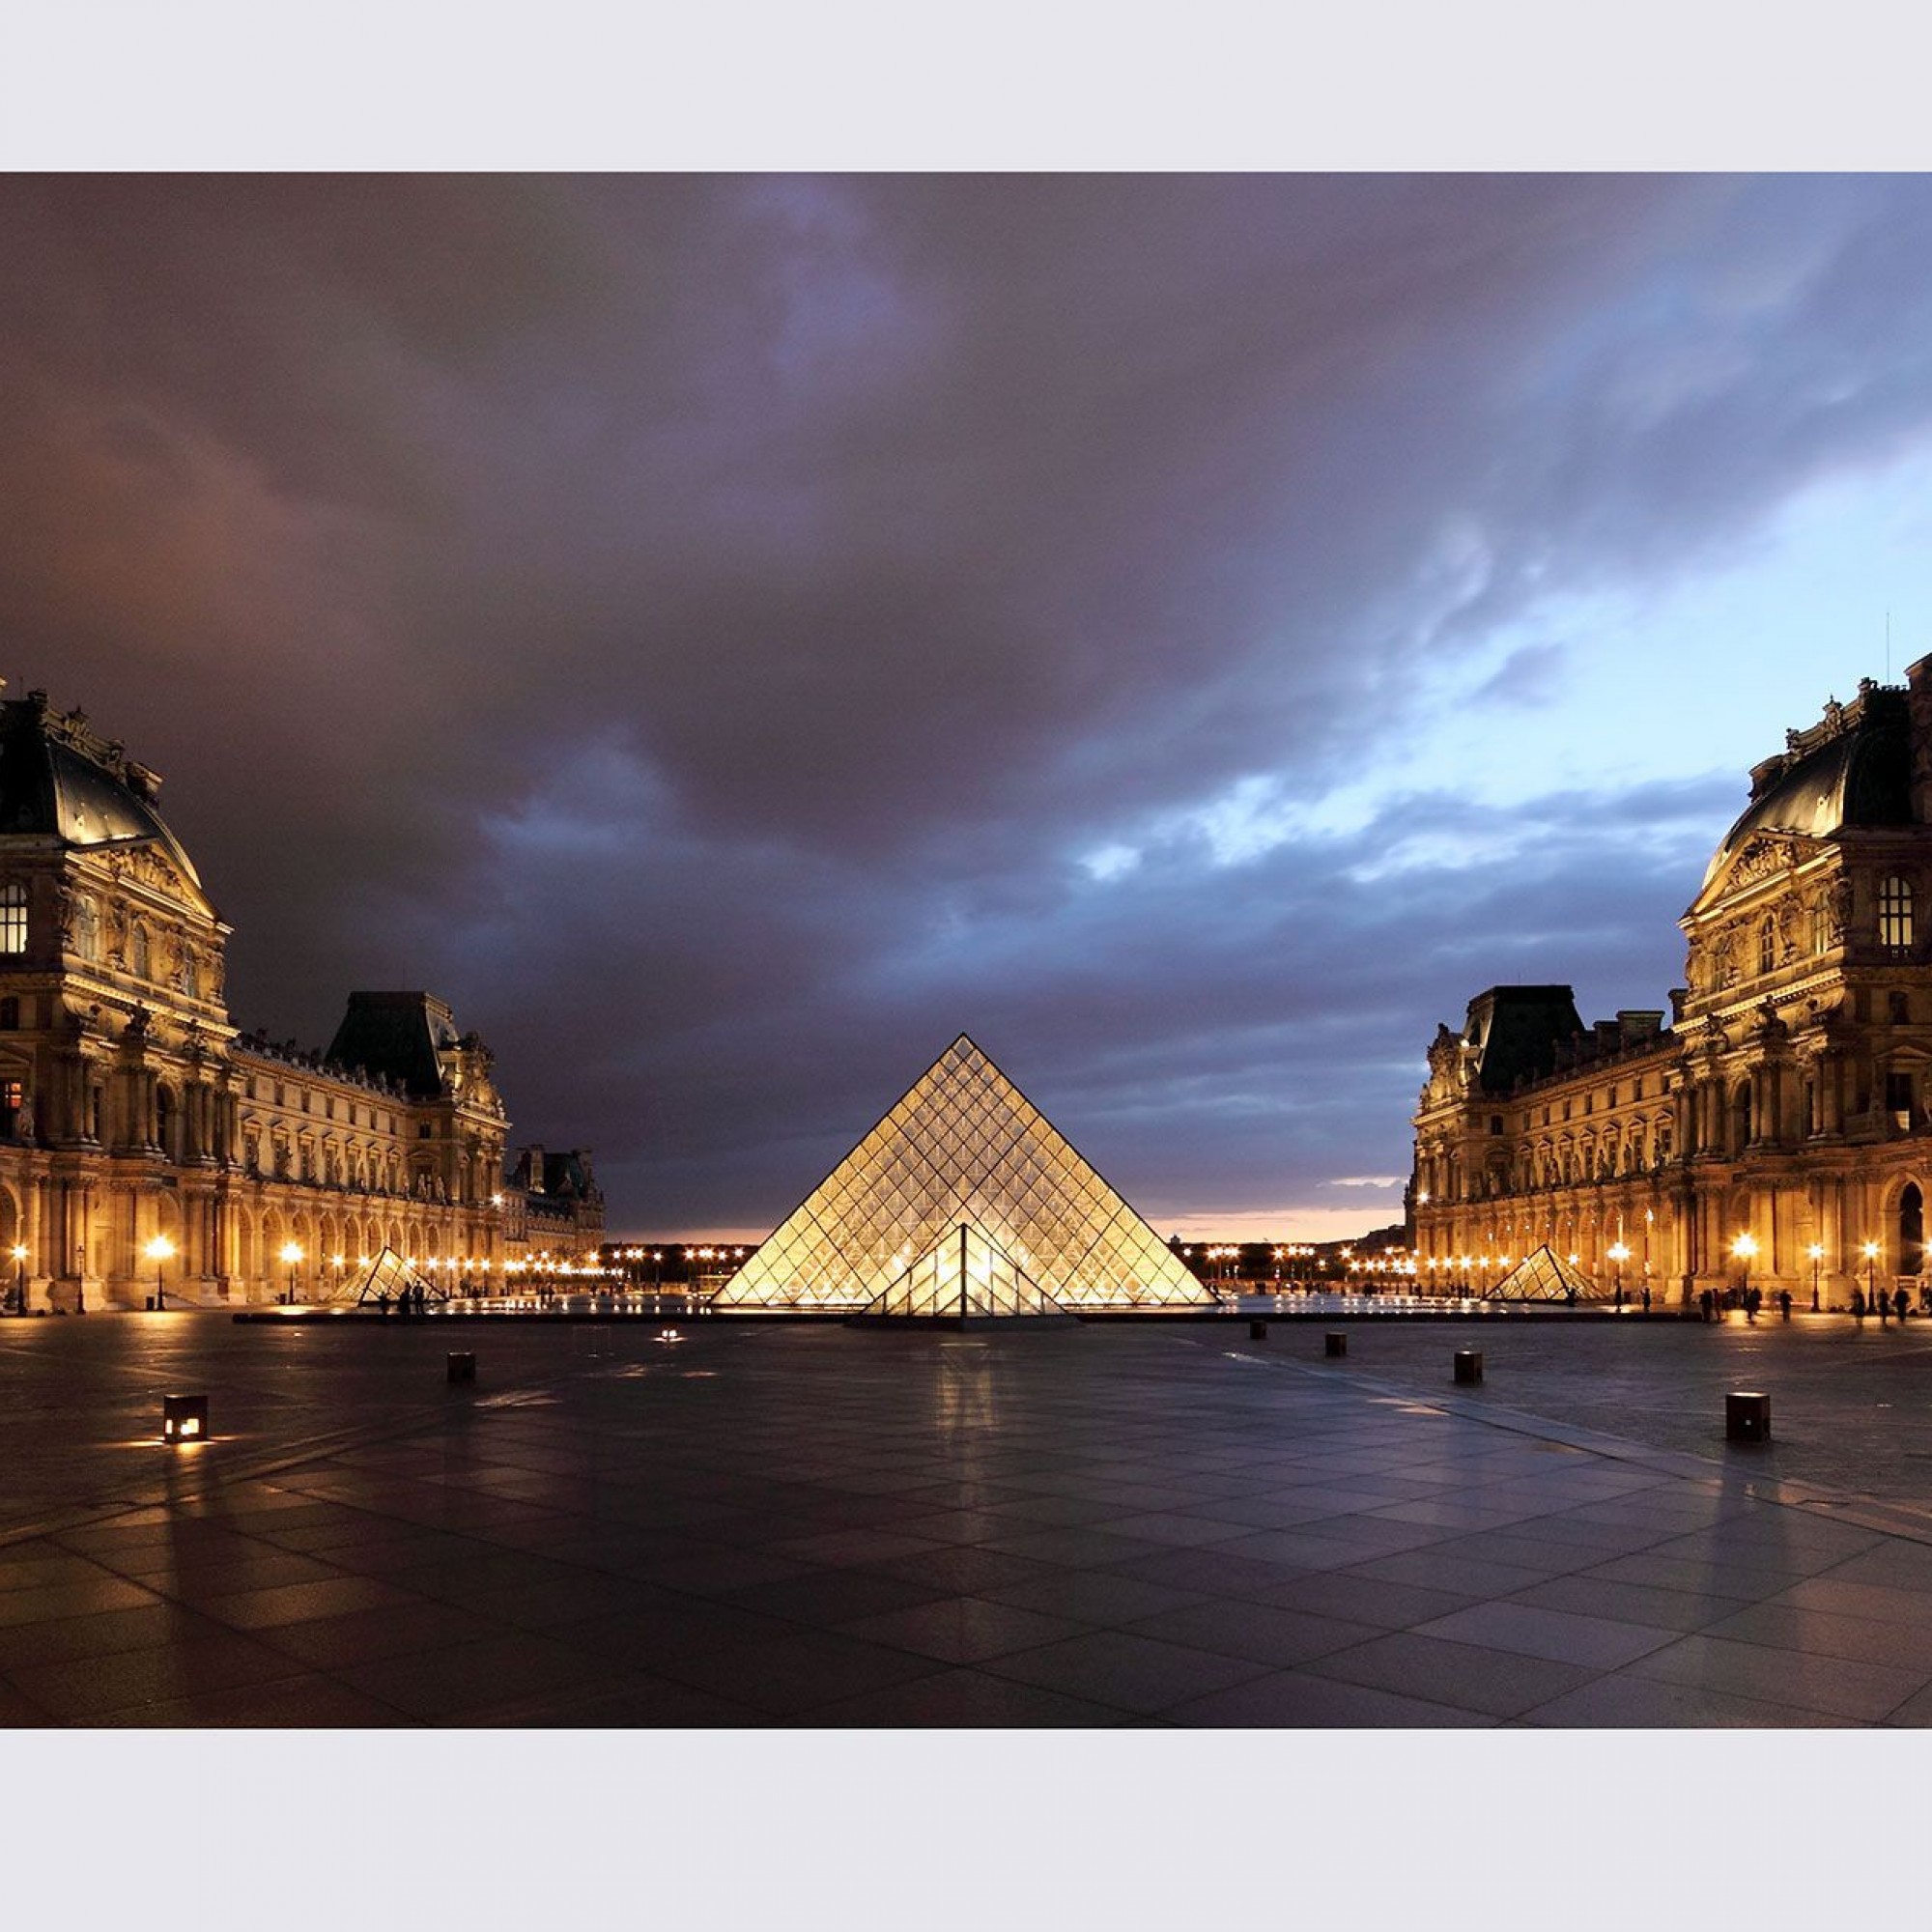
(963,1150)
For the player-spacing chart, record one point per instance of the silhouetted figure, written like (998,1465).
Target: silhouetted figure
(1900,1302)
(1706,1302)
(1646,1297)
(1858,1306)
(1753,1297)
(1784,1304)
(1882,1302)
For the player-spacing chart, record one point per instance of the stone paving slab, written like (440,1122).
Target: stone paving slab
(813,1526)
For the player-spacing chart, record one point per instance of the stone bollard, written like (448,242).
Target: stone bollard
(1257,1331)
(1746,1416)
(1335,1344)
(1468,1365)
(461,1367)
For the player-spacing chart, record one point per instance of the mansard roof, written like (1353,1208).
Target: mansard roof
(59,780)
(1853,769)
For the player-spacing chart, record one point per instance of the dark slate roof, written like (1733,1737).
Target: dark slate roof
(397,1035)
(563,1174)
(51,786)
(1519,1027)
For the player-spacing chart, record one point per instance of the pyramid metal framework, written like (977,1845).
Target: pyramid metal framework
(386,1278)
(963,1200)
(1543,1276)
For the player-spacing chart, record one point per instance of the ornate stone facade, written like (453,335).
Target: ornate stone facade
(1788,1103)
(144,1142)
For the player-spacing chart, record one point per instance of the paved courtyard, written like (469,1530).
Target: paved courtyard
(800,1526)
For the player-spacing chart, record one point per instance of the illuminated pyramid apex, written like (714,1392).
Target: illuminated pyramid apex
(963,1200)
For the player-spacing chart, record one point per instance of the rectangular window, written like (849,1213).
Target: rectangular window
(1898,1097)
(1894,914)
(14,918)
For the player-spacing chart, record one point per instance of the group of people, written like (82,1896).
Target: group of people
(405,1301)
(1710,1306)
(1898,1303)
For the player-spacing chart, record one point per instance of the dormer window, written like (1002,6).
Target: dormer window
(86,928)
(12,918)
(1894,914)
(1767,947)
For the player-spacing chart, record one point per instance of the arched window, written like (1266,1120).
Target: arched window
(13,917)
(1910,1230)
(1767,947)
(1894,912)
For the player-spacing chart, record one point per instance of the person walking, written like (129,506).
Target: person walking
(1858,1306)
(1784,1304)
(1900,1302)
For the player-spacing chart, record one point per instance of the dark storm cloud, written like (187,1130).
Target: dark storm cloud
(730,635)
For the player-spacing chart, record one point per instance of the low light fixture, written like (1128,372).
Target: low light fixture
(183,1418)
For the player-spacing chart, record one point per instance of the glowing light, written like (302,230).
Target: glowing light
(160,1249)
(291,1252)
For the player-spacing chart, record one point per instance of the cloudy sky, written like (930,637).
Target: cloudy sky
(731,634)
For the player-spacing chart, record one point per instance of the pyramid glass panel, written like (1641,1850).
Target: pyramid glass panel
(1545,1276)
(963,1200)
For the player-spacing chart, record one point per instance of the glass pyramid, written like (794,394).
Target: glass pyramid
(963,1200)
(1545,1276)
(389,1277)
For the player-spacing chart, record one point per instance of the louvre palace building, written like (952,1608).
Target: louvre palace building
(145,1144)
(1776,1125)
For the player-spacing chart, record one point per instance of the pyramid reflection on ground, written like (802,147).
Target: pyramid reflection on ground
(964,1201)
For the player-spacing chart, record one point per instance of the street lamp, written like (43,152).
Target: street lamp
(158,1251)
(20,1254)
(292,1258)
(1817,1255)
(1743,1248)
(1619,1255)
(1871,1261)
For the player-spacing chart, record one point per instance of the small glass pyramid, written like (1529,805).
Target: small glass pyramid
(1545,1276)
(963,1200)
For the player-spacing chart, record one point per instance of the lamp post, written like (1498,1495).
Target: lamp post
(1817,1255)
(20,1254)
(1743,1248)
(1619,1255)
(1871,1261)
(292,1259)
(158,1250)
